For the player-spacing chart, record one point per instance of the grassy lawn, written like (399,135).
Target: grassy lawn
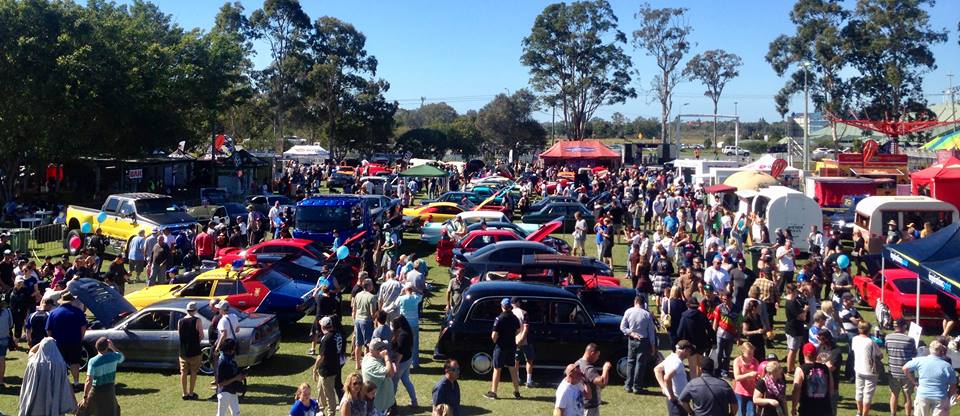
(272,384)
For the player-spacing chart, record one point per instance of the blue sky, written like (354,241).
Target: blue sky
(465,52)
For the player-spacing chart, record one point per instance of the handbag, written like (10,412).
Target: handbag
(665,318)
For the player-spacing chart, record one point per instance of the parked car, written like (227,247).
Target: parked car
(735,151)
(505,256)
(310,248)
(477,239)
(250,289)
(823,153)
(561,209)
(263,203)
(467,201)
(560,327)
(558,244)
(380,206)
(415,217)
(127,214)
(430,232)
(537,206)
(900,296)
(148,338)
(229,212)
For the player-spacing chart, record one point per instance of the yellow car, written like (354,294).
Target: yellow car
(218,283)
(347,170)
(432,212)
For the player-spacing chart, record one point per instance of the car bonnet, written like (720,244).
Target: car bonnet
(106,304)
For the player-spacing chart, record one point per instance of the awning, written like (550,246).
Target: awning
(579,149)
(941,245)
(876,172)
(718,188)
(425,171)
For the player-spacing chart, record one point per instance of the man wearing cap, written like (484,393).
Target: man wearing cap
(190,330)
(672,376)
(505,330)
(67,324)
(900,350)
(893,233)
(717,276)
(228,326)
(812,386)
(637,324)
(378,368)
(327,365)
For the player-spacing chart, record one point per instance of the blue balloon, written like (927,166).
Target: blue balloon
(843,261)
(86,227)
(102,217)
(343,252)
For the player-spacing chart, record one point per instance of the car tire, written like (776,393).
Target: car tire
(206,364)
(85,355)
(621,367)
(479,364)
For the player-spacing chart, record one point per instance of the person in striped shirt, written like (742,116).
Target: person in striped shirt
(900,350)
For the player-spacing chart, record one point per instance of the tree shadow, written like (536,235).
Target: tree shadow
(269,394)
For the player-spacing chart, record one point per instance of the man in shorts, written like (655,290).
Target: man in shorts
(190,331)
(900,350)
(67,324)
(796,325)
(524,347)
(505,330)
(364,307)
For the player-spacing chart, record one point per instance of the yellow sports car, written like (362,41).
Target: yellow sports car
(433,212)
(208,285)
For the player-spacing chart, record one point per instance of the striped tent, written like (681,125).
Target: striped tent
(947,141)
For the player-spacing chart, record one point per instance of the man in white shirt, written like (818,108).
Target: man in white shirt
(228,326)
(786,264)
(815,239)
(274,214)
(672,376)
(717,275)
(571,393)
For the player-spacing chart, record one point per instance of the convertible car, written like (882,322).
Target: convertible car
(479,238)
(900,296)
(148,338)
(250,289)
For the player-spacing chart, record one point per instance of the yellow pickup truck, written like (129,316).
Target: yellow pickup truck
(123,215)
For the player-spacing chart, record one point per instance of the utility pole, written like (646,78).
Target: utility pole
(806,118)
(422,101)
(736,128)
(953,110)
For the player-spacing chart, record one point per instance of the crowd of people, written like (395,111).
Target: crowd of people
(697,296)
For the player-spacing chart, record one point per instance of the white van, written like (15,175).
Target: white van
(691,169)
(782,207)
(874,212)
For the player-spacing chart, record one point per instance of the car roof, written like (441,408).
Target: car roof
(330,200)
(175,303)
(511,244)
(557,259)
(141,195)
(480,214)
(296,242)
(512,288)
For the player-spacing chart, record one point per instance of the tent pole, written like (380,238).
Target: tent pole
(883,276)
(918,298)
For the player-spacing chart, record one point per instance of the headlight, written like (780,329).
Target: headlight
(841,223)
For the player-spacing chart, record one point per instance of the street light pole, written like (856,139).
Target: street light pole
(806,118)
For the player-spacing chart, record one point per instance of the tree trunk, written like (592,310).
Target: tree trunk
(715,123)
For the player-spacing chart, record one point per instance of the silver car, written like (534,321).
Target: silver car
(148,338)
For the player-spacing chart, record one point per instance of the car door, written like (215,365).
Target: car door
(573,327)
(110,226)
(150,337)
(542,335)
(236,294)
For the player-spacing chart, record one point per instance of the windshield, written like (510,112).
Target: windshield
(235,210)
(214,196)
(327,219)
(158,206)
(272,279)
(307,262)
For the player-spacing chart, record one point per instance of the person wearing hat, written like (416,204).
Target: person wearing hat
(378,368)
(672,376)
(893,233)
(229,378)
(190,330)
(812,386)
(717,276)
(506,327)
(228,326)
(327,365)
(67,324)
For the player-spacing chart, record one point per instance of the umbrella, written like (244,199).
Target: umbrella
(948,141)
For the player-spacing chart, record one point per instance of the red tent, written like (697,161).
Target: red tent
(940,180)
(580,152)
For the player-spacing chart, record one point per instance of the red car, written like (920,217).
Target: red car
(281,246)
(900,296)
(375,169)
(477,239)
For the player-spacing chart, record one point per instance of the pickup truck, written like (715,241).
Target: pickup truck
(126,214)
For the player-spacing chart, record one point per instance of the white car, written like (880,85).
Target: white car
(735,151)
(822,153)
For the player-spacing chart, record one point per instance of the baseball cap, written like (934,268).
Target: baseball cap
(7,252)
(809,349)
(173,270)
(223,305)
(505,302)
(192,306)
(708,287)
(772,357)
(326,322)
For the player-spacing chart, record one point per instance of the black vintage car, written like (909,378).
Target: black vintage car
(560,327)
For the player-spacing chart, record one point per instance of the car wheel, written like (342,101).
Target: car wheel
(622,368)
(729,153)
(84,357)
(481,364)
(206,364)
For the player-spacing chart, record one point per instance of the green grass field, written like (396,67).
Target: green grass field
(272,384)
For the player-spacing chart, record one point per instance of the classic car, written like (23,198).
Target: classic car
(900,296)
(561,209)
(311,248)
(479,238)
(560,327)
(414,217)
(148,338)
(523,230)
(229,211)
(124,215)
(263,203)
(505,256)
(430,232)
(250,289)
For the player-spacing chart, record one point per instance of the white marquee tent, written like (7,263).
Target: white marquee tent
(305,153)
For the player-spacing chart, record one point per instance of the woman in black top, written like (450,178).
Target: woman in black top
(190,331)
(753,328)
(402,344)
(859,251)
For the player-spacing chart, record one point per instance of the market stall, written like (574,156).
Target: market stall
(940,181)
(580,153)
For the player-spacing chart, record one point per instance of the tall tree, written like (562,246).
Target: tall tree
(576,60)
(663,35)
(507,122)
(618,120)
(818,50)
(284,25)
(890,49)
(714,68)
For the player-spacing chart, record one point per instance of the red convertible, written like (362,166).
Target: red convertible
(477,239)
(900,296)
(282,246)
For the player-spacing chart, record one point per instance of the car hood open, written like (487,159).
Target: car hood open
(106,304)
(545,230)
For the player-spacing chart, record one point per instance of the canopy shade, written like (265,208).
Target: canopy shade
(306,151)
(941,245)
(718,188)
(579,149)
(425,171)
(941,179)
(750,180)
(948,141)
(945,275)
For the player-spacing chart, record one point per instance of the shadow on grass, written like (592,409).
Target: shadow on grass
(269,394)
(124,390)
(283,364)
(473,410)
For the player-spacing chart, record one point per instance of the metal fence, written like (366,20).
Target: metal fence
(44,240)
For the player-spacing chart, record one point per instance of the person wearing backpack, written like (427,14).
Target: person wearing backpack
(812,386)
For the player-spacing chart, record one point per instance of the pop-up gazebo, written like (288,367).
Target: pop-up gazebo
(940,180)
(580,153)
